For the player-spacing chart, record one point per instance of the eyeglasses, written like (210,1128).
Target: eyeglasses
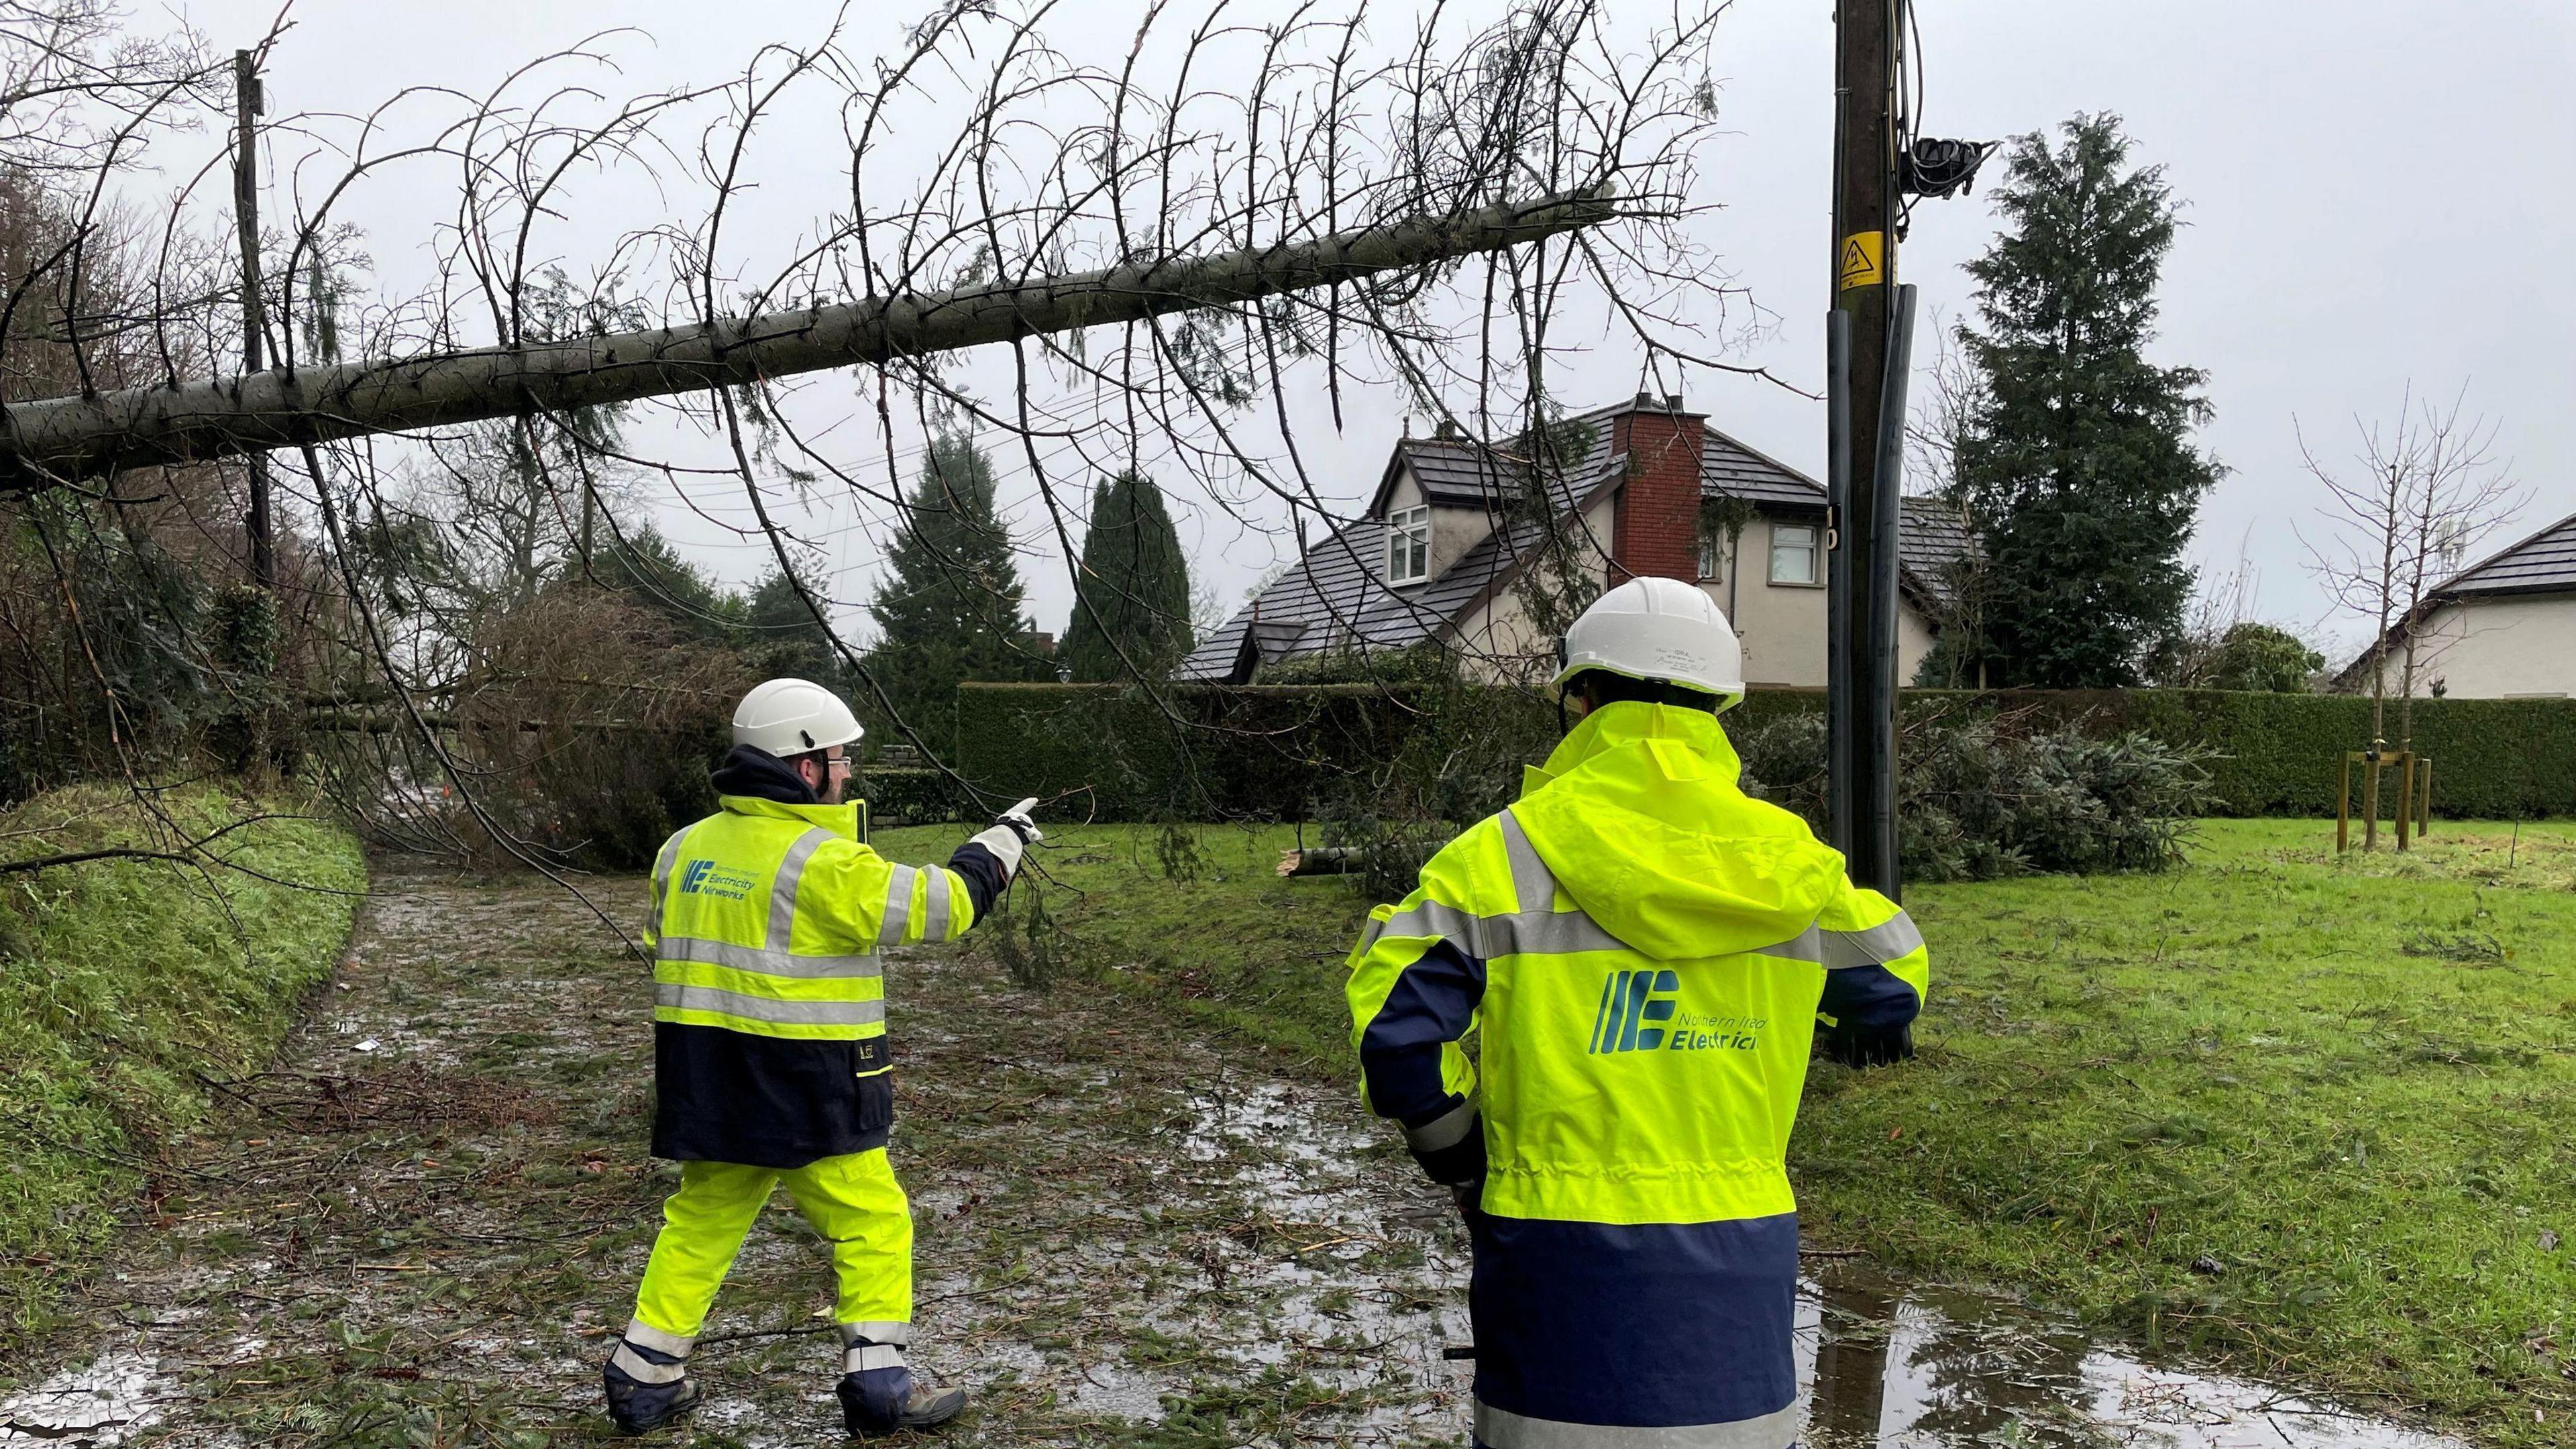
(840,761)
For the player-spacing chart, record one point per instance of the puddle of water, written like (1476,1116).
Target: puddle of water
(1883,1365)
(1887,1367)
(114,1396)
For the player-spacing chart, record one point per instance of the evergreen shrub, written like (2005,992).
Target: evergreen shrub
(1980,795)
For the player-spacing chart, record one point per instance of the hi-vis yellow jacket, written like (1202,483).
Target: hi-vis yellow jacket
(769,990)
(1646,950)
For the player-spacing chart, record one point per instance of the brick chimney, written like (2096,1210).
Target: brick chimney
(1655,532)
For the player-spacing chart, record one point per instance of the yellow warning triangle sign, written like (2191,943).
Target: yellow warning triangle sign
(1863,260)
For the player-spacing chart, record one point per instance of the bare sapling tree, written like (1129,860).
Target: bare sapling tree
(1950,395)
(2420,493)
(1176,243)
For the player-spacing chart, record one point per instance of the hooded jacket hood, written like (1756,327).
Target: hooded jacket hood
(752,781)
(1639,814)
(756,774)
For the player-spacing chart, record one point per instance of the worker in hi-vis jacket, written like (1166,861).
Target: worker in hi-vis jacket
(770,1056)
(1650,955)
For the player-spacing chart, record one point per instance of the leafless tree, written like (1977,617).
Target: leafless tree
(1183,248)
(1950,395)
(2419,494)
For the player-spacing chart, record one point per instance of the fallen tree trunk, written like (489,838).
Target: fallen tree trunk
(1323,860)
(62,439)
(1350,859)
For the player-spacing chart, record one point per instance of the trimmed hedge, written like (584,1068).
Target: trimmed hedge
(1111,752)
(1280,753)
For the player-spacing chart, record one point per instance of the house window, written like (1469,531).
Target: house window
(1709,558)
(1408,545)
(1793,553)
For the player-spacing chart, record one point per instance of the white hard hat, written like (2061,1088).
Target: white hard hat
(793,717)
(1661,630)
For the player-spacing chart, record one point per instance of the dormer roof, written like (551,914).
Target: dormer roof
(1336,595)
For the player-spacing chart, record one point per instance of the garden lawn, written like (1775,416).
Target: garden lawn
(121,982)
(2310,1118)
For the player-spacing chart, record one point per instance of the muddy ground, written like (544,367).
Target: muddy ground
(424,1227)
(428,1220)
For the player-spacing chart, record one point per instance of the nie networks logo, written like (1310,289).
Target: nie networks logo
(706,878)
(1640,1011)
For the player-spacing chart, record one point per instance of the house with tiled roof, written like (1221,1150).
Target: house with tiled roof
(2502,628)
(1465,542)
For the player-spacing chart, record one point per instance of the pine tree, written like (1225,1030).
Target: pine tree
(1134,586)
(949,610)
(649,571)
(2073,456)
(783,637)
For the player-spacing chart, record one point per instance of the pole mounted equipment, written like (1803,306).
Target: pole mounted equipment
(1941,169)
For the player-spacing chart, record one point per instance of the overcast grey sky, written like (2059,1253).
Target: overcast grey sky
(2377,192)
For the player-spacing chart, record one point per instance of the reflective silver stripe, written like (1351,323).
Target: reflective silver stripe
(1486,937)
(1369,933)
(662,878)
(643,1370)
(1446,1130)
(638,1331)
(768,963)
(1554,932)
(782,887)
(1807,945)
(1890,940)
(1502,1429)
(898,910)
(763,1008)
(859,1358)
(877,1331)
(934,921)
(1432,918)
(1533,884)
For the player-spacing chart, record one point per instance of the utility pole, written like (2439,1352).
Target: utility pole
(1867,337)
(248,104)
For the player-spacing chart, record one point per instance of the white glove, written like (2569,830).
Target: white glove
(1017,817)
(1013,831)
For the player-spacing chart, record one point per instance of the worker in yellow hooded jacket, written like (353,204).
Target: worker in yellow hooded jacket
(1650,955)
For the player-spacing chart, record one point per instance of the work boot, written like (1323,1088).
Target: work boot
(647,1388)
(878,1395)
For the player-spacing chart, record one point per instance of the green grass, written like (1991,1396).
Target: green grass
(120,982)
(2347,1085)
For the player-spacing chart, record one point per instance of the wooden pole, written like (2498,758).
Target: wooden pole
(1860,680)
(2343,804)
(2370,767)
(2405,797)
(248,104)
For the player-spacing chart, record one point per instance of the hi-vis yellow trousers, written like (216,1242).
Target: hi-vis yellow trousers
(853,1201)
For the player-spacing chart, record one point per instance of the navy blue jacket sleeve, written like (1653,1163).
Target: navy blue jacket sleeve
(982,871)
(1868,998)
(1431,1005)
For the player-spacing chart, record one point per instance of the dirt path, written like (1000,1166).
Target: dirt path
(427,1224)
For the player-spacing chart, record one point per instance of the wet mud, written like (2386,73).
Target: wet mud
(425,1223)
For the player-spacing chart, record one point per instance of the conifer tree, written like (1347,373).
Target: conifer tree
(1133,587)
(2073,454)
(950,606)
(783,637)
